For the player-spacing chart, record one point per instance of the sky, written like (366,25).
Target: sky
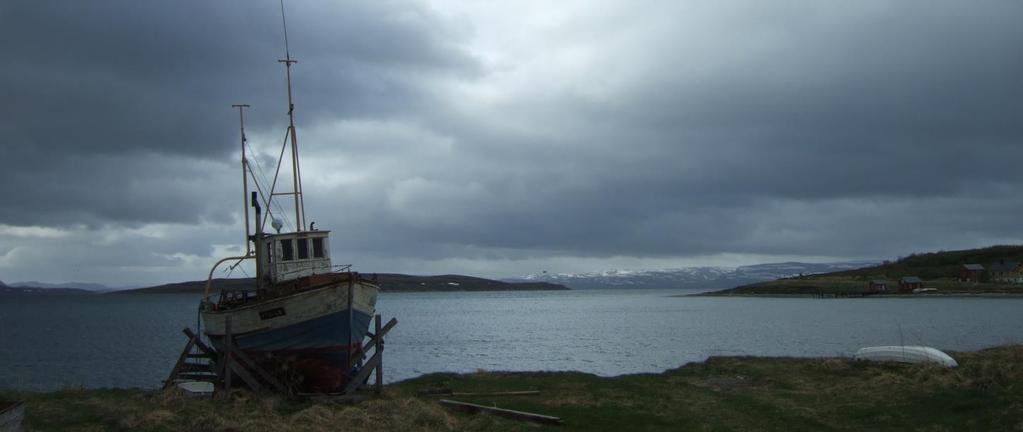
(506,138)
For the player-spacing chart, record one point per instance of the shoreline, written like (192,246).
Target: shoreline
(746,393)
(794,295)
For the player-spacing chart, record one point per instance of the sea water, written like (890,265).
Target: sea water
(133,340)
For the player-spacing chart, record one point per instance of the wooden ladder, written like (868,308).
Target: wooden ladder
(196,363)
(199,362)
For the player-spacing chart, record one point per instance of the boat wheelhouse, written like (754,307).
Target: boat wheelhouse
(296,255)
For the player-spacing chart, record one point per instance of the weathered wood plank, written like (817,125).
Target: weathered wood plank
(246,377)
(251,365)
(507,413)
(200,344)
(379,349)
(363,374)
(374,361)
(501,393)
(195,367)
(181,360)
(228,361)
(197,377)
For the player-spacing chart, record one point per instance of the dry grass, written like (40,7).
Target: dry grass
(723,393)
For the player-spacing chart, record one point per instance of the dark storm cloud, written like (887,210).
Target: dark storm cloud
(93,89)
(861,130)
(676,129)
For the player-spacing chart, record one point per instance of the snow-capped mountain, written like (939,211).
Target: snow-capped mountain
(74,285)
(690,277)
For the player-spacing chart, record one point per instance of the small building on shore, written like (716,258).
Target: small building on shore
(1006,272)
(970,272)
(877,285)
(910,283)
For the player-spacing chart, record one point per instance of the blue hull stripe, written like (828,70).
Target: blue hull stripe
(329,332)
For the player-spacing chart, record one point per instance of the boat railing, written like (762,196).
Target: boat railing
(337,268)
(236,296)
(209,278)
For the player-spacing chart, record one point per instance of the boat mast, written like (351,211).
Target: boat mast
(295,169)
(245,182)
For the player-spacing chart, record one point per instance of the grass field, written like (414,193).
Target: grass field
(939,270)
(723,393)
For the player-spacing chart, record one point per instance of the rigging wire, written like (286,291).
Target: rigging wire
(277,174)
(259,189)
(269,200)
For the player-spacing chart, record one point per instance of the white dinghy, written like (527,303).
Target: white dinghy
(906,354)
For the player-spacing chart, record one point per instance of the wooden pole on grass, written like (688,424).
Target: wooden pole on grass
(379,347)
(228,343)
(512,414)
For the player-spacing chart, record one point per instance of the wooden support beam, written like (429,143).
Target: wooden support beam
(247,362)
(228,342)
(380,364)
(240,365)
(387,327)
(374,361)
(195,367)
(181,361)
(363,374)
(198,376)
(507,413)
(200,344)
(237,369)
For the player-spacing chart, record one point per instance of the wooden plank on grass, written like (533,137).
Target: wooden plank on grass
(507,413)
(500,393)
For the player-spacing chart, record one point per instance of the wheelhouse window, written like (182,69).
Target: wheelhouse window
(287,252)
(318,247)
(303,248)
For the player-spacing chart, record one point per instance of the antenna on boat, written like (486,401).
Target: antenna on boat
(295,169)
(245,182)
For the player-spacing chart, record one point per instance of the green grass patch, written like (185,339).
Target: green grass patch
(720,394)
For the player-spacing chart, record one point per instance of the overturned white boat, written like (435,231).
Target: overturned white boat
(906,354)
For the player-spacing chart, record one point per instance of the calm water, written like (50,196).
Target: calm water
(133,340)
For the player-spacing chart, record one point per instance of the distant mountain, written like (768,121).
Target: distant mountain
(690,277)
(35,291)
(75,285)
(388,282)
(401,282)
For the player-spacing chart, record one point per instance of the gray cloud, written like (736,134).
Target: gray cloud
(675,130)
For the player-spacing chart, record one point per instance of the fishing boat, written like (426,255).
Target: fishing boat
(304,316)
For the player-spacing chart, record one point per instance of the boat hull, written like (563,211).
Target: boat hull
(314,331)
(906,354)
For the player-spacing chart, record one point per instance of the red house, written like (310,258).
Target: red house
(877,285)
(1006,271)
(910,283)
(970,272)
